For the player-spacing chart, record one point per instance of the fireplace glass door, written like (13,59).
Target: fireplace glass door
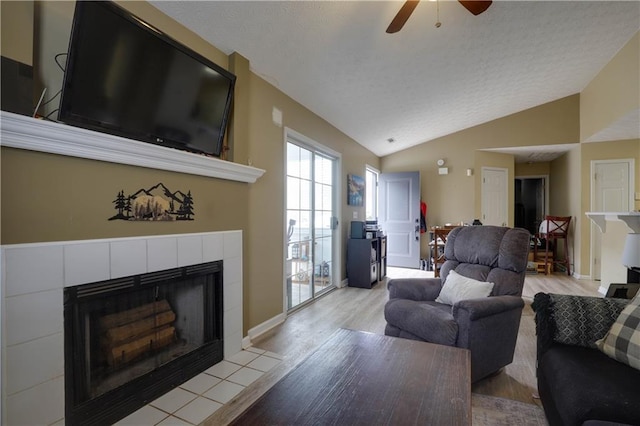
(124,331)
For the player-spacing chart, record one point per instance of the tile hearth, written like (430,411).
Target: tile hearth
(197,399)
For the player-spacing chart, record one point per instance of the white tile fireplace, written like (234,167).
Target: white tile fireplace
(33,279)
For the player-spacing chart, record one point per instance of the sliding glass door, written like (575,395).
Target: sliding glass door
(311,222)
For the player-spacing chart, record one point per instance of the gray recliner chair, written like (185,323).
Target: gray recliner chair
(487,326)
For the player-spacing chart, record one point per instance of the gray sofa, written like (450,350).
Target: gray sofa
(578,384)
(488,326)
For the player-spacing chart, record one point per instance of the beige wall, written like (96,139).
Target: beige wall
(16,41)
(613,93)
(456,197)
(565,199)
(52,27)
(266,205)
(532,169)
(238,131)
(56,198)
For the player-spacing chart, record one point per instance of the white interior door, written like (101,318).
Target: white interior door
(611,193)
(399,217)
(495,210)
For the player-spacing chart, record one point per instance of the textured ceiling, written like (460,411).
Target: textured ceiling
(423,82)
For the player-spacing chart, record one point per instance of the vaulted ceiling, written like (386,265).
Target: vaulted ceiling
(335,58)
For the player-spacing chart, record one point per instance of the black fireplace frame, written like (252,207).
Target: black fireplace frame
(133,395)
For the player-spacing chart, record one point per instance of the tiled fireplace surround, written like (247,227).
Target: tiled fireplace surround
(33,279)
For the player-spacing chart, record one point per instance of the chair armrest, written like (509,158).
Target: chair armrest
(489,328)
(414,288)
(474,309)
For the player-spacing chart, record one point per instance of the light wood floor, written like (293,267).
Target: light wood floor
(362,309)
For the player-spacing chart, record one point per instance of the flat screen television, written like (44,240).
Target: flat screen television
(125,77)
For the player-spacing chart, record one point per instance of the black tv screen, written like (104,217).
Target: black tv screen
(126,78)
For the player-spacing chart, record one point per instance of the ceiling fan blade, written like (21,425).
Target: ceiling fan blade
(403,14)
(474,6)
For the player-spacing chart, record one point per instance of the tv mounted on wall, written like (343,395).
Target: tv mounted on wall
(125,77)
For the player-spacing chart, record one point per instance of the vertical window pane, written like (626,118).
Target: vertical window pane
(293,193)
(293,160)
(327,198)
(323,170)
(305,164)
(323,197)
(305,194)
(293,225)
(305,226)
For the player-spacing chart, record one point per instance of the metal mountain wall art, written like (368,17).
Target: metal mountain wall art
(157,203)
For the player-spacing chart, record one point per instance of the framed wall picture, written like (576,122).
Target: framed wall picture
(355,190)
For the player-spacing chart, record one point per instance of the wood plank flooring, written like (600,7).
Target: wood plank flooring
(362,309)
(370,379)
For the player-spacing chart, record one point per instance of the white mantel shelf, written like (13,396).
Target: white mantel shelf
(18,131)
(632,219)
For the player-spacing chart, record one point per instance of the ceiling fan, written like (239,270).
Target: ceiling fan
(474,6)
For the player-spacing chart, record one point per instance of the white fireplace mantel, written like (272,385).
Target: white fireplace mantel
(28,133)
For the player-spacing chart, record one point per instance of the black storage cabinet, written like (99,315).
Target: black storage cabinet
(362,262)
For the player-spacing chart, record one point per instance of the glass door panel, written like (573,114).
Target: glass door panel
(310,217)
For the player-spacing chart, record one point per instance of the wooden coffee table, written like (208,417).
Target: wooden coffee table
(364,378)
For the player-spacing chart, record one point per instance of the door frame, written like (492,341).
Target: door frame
(370,169)
(414,210)
(592,194)
(506,192)
(299,138)
(546,188)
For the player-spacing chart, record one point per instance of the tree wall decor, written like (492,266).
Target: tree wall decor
(157,203)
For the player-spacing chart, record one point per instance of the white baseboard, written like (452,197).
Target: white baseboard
(260,329)
(602,290)
(343,283)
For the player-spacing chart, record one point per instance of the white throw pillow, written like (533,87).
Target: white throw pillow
(458,287)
